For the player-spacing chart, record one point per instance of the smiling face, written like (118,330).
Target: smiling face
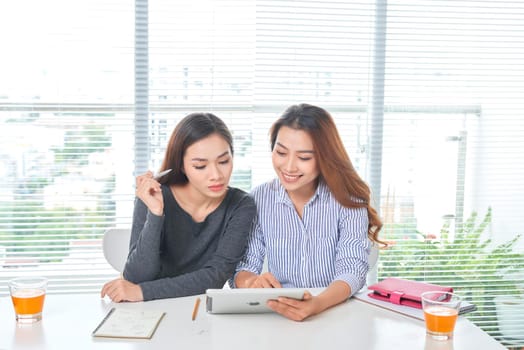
(208,164)
(294,162)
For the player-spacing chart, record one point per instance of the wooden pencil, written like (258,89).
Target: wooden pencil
(195,309)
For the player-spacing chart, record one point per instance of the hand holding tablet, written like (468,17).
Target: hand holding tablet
(247,300)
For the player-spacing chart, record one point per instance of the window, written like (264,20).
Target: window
(428,97)
(453,84)
(66,155)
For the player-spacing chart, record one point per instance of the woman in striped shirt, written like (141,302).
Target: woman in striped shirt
(314,221)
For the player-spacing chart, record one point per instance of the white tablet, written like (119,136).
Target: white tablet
(246,300)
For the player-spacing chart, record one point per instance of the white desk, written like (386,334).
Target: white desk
(68,321)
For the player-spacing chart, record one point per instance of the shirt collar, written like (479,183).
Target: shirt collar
(322,192)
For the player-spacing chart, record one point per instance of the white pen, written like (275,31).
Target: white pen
(162,173)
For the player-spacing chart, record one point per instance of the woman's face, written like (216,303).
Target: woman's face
(208,164)
(294,161)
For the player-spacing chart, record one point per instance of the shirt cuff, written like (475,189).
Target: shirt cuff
(353,281)
(147,292)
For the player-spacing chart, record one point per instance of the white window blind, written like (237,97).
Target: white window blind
(317,52)
(201,59)
(427,95)
(452,159)
(66,135)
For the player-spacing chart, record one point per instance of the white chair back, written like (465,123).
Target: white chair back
(116,247)
(372,276)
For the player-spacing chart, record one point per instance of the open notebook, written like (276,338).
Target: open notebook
(129,323)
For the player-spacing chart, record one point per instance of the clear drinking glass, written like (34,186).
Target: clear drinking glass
(440,312)
(28,294)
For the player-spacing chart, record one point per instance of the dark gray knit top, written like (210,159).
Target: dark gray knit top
(174,256)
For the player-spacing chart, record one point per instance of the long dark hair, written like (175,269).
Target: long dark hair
(333,161)
(192,128)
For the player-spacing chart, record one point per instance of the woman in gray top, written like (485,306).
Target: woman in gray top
(189,227)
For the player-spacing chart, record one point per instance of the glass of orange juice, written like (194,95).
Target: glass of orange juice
(440,312)
(28,295)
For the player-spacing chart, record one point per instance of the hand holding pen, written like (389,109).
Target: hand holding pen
(159,175)
(148,189)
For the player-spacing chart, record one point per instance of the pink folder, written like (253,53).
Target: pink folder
(403,292)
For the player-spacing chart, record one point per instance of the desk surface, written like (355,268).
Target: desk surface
(68,321)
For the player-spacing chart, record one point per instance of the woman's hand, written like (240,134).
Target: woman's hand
(246,279)
(296,310)
(121,290)
(149,191)
(265,280)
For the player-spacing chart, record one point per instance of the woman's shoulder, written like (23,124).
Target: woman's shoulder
(237,195)
(268,193)
(236,192)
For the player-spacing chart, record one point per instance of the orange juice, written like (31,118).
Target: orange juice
(28,301)
(440,319)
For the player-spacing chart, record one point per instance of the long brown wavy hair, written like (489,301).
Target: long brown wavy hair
(334,164)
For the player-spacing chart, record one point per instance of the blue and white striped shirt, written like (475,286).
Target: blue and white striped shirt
(329,243)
